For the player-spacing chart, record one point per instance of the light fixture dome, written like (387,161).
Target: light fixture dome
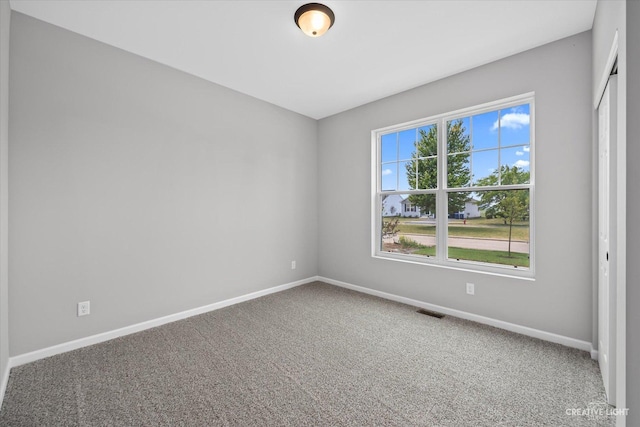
(314,19)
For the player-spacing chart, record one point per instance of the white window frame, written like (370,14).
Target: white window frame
(441,192)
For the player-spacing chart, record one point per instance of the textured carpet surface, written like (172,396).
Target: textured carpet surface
(315,355)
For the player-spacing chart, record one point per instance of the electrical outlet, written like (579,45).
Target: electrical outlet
(84,308)
(293,265)
(471,289)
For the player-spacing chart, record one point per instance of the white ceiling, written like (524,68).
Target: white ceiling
(375,49)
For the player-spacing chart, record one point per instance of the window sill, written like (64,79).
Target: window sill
(466,266)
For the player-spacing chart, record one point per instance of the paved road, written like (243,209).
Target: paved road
(467,242)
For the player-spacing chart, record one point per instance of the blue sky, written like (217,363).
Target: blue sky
(504,141)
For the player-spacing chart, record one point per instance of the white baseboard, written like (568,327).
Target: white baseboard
(5,381)
(524,330)
(594,354)
(105,336)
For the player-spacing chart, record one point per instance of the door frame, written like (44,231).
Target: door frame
(619,223)
(607,207)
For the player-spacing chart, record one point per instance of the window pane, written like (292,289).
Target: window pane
(427,138)
(492,227)
(458,170)
(405,171)
(409,224)
(514,126)
(407,144)
(428,173)
(458,139)
(389,147)
(389,174)
(485,130)
(518,158)
(485,167)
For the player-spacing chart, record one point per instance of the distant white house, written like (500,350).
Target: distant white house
(471,209)
(397,205)
(391,205)
(409,209)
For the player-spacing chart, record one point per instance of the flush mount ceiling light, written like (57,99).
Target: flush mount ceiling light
(314,19)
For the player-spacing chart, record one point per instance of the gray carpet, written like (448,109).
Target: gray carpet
(314,355)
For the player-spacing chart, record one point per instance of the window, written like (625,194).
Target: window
(465,184)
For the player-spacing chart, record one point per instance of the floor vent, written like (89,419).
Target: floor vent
(431,313)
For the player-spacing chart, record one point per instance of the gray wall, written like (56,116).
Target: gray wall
(143,189)
(560,298)
(633,207)
(5,18)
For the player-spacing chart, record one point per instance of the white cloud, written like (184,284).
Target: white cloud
(387,172)
(521,163)
(526,149)
(519,153)
(512,120)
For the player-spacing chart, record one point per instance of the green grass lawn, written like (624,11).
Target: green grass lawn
(491,257)
(487,230)
(428,230)
(481,228)
(518,232)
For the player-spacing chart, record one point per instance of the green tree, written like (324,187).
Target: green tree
(508,204)
(422,171)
